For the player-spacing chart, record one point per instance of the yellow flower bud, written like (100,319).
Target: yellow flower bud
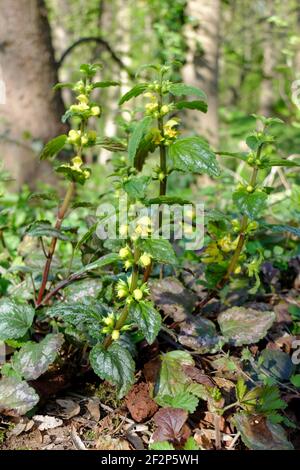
(109,321)
(115,335)
(77,163)
(237,270)
(83,99)
(123,230)
(145,260)
(124,252)
(95,111)
(250,188)
(165,109)
(128,264)
(138,294)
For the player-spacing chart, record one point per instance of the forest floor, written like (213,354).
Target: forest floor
(77,411)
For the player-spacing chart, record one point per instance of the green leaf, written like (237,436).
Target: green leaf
(283,228)
(193,154)
(182,400)
(200,105)
(172,378)
(134,92)
(105,84)
(87,236)
(71,174)
(53,147)
(45,229)
(17,395)
(139,131)
(99,263)
(281,162)
(277,363)
(258,433)
(136,186)
(33,359)
(164,445)
(110,144)
(160,249)
(147,319)
(250,204)
(238,155)
(191,444)
(242,325)
(295,380)
(59,86)
(115,365)
(15,319)
(181,89)
(88,312)
(167,200)
(240,389)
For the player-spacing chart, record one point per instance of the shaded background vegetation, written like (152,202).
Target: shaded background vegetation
(244,54)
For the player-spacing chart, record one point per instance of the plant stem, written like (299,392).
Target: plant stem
(133,285)
(240,245)
(60,217)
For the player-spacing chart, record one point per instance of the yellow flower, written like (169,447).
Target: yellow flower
(151,107)
(74,136)
(96,111)
(109,320)
(122,289)
(127,264)
(115,335)
(124,252)
(83,99)
(77,163)
(138,294)
(145,260)
(165,109)
(123,230)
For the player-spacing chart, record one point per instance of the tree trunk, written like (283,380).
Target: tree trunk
(201,69)
(269,64)
(29,73)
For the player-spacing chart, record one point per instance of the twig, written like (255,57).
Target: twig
(76,440)
(98,40)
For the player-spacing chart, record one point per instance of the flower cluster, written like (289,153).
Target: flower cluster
(110,326)
(138,294)
(127,257)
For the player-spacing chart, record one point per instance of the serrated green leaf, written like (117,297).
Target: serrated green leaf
(167,200)
(199,105)
(295,380)
(181,89)
(33,359)
(99,263)
(110,144)
(136,186)
(172,377)
(193,154)
(240,389)
(283,229)
(134,92)
(45,229)
(53,147)
(242,326)
(15,319)
(17,395)
(250,204)
(160,250)
(71,174)
(139,131)
(114,364)
(105,84)
(281,162)
(147,319)
(164,445)
(191,444)
(182,400)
